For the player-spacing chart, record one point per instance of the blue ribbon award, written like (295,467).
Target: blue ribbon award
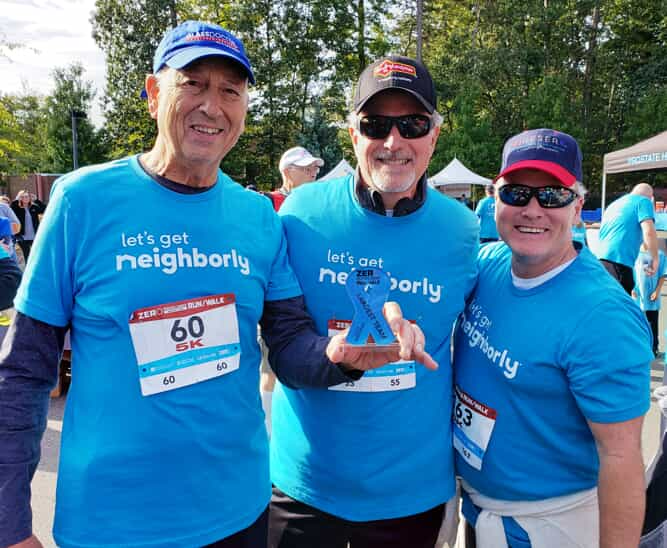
(369,288)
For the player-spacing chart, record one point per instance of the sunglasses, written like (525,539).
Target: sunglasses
(411,126)
(549,197)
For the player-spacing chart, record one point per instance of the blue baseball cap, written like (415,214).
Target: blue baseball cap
(192,40)
(547,150)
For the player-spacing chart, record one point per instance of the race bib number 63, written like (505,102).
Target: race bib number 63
(185,342)
(473,424)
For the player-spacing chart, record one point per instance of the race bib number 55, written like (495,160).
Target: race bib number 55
(400,375)
(185,342)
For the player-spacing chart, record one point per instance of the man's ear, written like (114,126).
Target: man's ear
(353,135)
(434,137)
(152,91)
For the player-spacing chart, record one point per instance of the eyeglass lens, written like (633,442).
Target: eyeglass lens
(547,196)
(411,126)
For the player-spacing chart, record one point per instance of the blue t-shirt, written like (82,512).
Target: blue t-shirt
(620,230)
(374,455)
(645,284)
(184,467)
(486,211)
(543,361)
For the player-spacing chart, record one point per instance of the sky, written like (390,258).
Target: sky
(55,33)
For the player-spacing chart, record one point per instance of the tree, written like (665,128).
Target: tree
(22,133)
(71,92)
(129,33)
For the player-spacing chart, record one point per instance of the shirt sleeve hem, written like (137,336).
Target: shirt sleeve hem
(616,416)
(287,293)
(37,312)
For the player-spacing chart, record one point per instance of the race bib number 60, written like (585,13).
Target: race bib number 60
(185,342)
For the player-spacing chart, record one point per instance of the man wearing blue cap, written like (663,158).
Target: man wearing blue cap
(551,371)
(163,440)
(627,223)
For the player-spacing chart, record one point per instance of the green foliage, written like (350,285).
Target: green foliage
(593,68)
(71,92)
(22,133)
(129,33)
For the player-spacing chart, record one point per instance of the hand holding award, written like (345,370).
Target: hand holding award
(379,334)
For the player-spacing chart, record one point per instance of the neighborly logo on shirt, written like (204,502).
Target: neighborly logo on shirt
(328,274)
(388,67)
(171,252)
(474,326)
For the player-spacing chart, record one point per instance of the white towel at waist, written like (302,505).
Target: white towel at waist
(570,521)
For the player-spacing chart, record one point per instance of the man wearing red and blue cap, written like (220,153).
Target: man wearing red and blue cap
(551,371)
(163,439)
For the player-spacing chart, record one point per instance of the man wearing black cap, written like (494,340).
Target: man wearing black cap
(369,463)
(552,371)
(163,440)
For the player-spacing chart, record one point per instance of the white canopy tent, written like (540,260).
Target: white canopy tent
(342,169)
(455,173)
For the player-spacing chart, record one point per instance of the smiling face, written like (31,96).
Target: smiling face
(540,239)
(298,175)
(200,112)
(393,165)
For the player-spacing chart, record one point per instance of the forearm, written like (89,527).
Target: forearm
(650,238)
(296,352)
(28,370)
(621,494)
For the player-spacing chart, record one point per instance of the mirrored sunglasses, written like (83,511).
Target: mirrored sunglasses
(549,197)
(411,126)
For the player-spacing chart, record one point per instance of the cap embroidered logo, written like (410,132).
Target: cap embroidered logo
(387,67)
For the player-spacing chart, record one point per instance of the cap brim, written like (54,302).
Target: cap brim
(308,162)
(186,56)
(429,108)
(559,172)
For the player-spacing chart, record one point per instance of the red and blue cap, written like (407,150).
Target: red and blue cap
(548,150)
(193,40)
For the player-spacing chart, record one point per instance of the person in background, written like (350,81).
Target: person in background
(28,208)
(11,228)
(486,212)
(647,290)
(552,371)
(10,278)
(579,233)
(7,244)
(578,227)
(625,223)
(297,166)
(465,201)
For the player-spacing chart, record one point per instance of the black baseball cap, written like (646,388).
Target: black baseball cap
(396,72)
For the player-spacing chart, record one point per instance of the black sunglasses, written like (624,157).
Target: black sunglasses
(549,197)
(411,126)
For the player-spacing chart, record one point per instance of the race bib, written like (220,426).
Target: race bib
(185,342)
(473,425)
(400,375)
